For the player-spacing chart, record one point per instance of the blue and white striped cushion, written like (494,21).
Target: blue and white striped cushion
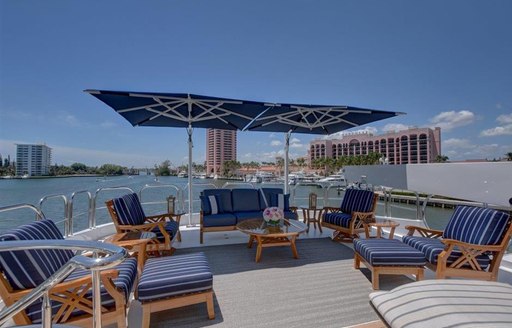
(432,247)
(356,200)
(339,219)
(171,227)
(125,282)
(388,252)
(476,225)
(169,276)
(129,210)
(29,268)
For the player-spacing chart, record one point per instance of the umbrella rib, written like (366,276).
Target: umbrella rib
(169,109)
(131,109)
(218,106)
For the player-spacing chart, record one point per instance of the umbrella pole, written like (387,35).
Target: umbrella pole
(189,132)
(286,149)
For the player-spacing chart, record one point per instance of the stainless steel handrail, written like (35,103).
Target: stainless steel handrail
(115,255)
(39,213)
(171,186)
(185,188)
(70,215)
(65,216)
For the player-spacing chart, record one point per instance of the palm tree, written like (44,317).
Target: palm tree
(441,159)
(509,156)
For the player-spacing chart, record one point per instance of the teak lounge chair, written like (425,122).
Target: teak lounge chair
(128,215)
(356,209)
(71,300)
(471,246)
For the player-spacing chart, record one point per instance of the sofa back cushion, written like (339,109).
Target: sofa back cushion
(129,210)
(225,198)
(29,268)
(211,204)
(476,225)
(280,200)
(265,193)
(356,200)
(245,200)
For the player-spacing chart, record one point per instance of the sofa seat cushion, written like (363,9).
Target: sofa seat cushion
(477,225)
(29,268)
(432,247)
(340,219)
(245,200)
(124,282)
(388,252)
(241,216)
(219,220)
(169,276)
(225,197)
(171,227)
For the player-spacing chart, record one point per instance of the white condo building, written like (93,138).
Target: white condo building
(33,160)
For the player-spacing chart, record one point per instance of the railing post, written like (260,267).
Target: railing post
(46,308)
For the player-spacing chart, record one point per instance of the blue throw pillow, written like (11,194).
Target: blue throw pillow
(211,204)
(280,200)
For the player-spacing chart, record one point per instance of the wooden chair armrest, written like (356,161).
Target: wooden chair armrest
(366,217)
(476,247)
(142,227)
(158,218)
(424,232)
(293,209)
(329,209)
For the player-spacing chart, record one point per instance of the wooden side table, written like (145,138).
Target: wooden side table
(379,225)
(312,215)
(134,241)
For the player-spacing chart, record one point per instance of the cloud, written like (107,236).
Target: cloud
(452,119)
(276,143)
(499,106)
(458,149)
(504,128)
(339,135)
(394,127)
(108,125)
(272,135)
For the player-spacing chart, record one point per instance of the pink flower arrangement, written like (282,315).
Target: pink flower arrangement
(273,215)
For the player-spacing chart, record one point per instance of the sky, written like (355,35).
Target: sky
(443,63)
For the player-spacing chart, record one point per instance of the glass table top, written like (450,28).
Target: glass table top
(260,227)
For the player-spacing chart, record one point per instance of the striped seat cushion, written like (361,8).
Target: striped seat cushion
(388,252)
(164,277)
(476,225)
(171,227)
(129,210)
(432,247)
(124,282)
(356,200)
(29,268)
(339,219)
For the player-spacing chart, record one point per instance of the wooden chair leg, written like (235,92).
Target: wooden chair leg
(200,236)
(375,279)
(146,316)
(209,306)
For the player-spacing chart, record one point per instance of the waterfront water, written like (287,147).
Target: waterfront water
(18,191)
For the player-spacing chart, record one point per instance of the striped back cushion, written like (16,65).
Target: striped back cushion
(211,204)
(476,225)
(356,200)
(129,210)
(29,268)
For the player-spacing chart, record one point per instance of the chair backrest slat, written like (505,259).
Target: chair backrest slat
(129,210)
(356,200)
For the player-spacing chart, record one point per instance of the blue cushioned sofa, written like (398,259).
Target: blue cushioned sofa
(222,209)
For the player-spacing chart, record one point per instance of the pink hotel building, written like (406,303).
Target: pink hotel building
(220,147)
(412,146)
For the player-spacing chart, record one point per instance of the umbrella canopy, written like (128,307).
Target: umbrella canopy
(181,110)
(314,119)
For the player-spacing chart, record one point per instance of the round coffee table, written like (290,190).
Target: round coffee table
(272,236)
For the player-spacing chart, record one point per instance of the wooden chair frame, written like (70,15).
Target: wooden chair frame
(357,222)
(71,294)
(151,222)
(176,302)
(466,266)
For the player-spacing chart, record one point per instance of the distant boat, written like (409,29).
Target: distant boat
(337,180)
(183,174)
(25,176)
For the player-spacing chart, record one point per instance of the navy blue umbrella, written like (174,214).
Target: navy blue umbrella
(314,119)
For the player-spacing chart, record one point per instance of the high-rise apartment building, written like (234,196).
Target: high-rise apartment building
(220,147)
(411,146)
(34,160)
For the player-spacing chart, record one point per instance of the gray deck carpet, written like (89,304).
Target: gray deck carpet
(320,289)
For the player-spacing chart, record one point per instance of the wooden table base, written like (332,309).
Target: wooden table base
(272,242)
